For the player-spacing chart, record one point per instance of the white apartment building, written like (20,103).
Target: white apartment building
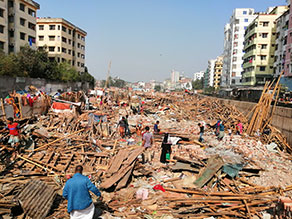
(209,74)
(64,41)
(225,79)
(17,24)
(233,45)
(175,76)
(282,24)
(199,75)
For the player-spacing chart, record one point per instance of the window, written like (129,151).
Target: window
(31,26)
(51,49)
(59,49)
(78,36)
(22,36)
(264,46)
(41,38)
(69,41)
(234,59)
(1,45)
(31,40)
(21,7)
(52,38)
(11,19)
(236,29)
(246,20)
(78,54)
(265,24)
(78,64)
(69,51)
(1,12)
(233,74)
(64,40)
(233,66)
(78,45)
(31,12)
(64,29)
(69,31)
(244,12)
(52,27)
(11,33)
(22,21)
(263,57)
(41,27)
(10,4)
(59,27)
(262,68)
(64,50)
(1,29)
(264,35)
(245,27)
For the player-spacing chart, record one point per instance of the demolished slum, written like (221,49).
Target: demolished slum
(241,176)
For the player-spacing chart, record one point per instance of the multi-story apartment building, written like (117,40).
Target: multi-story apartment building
(198,75)
(209,74)
(64,41)
(288,56)
(175,75)
(17,24)
(282,24)
(218,71)
(260,39)
(233,45)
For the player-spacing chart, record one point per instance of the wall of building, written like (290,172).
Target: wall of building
(8,84)
(282,118)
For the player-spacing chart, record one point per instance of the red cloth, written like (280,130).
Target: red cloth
(13,129)
(159,187)
(60,106)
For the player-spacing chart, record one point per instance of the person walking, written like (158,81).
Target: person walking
(156,128)
(76,191)
(147,144)
(165,149)
(239,128)
(122,127)
(202,130)
(221,131)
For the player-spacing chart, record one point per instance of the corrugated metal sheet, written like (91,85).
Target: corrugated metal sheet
(36,199)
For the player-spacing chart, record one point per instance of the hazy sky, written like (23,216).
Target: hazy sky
(146,39)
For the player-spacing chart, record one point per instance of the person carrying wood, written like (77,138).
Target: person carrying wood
(76,191)
(147,144)
(13,128)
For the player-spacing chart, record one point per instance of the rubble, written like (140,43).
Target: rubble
(240,176)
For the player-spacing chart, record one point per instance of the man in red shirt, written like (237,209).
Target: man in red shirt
(13,128)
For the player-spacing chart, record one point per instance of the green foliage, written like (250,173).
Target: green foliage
(36,64)
(157,88)
(198,84)
(209,90)
(114,82)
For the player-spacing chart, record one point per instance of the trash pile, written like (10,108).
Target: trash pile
(240,176)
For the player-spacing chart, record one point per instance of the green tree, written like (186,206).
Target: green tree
(67,72)
(9,66)
(198,84)
(157,88)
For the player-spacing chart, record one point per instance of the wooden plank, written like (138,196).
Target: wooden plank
(117,161)
(214,164)
(123,182)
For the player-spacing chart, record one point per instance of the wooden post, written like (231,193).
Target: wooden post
(19,104)
(2,108)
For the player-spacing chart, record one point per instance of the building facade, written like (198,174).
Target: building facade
(175,76)
(209,74)
(17,24)
(233,45)
(260,39)
(63,41)
(282,24)
(198,75)
(288,56)
(218,66)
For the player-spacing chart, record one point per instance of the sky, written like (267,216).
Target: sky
(147,39)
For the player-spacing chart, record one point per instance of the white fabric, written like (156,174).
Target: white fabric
(86,213)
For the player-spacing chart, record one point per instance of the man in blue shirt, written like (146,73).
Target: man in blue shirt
(76,191)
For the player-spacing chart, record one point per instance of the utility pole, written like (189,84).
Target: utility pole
(108,75)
